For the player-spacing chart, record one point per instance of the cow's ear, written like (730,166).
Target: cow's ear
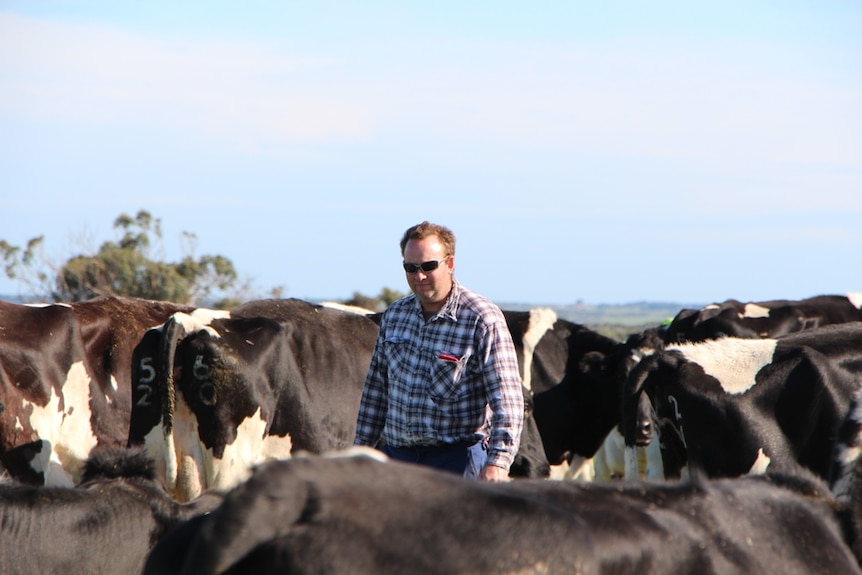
(668,360)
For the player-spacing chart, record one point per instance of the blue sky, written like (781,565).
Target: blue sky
(605,152)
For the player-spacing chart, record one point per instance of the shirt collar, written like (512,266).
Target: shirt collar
(450,308)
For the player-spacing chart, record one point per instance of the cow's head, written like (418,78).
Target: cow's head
(154,375)
(651,416)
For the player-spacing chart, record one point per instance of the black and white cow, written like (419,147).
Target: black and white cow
(577,376)
(733,406)
(768,319)
(65,382)
(229,392)
(364,516)
(107,524)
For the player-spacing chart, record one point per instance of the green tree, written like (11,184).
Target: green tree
(123,268)
(387,296)
(379,303)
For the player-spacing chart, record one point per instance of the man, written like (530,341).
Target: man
(443,388)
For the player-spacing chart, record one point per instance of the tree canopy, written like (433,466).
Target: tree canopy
(124,268)
(127,267)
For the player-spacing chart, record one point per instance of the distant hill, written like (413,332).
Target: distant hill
(614,320)
(636,313)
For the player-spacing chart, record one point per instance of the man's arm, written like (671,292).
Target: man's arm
(505,397)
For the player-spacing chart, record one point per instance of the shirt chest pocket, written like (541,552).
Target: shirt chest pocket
(451,376)
(401,358)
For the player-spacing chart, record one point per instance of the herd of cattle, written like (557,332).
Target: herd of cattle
(151,437)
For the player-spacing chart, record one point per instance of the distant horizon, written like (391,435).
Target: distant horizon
(574,304)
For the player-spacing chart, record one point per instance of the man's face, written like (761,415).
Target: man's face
(431,287)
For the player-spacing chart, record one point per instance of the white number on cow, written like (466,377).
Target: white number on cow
(148,375)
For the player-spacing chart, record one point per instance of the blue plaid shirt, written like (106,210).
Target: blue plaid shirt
(452,378)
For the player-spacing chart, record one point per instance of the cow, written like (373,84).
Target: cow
(65,377)
(362,515)
(734,406)
(107,524)
(273,377)
(578,378)
(767,319)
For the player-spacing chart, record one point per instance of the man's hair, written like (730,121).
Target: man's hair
(425,229)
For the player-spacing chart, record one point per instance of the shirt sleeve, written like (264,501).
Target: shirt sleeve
(374,402)
(504,391)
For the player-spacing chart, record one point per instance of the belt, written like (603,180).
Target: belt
(437,445)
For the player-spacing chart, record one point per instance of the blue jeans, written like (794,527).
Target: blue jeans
(459,458)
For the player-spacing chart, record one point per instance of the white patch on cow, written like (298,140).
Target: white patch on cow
(347,308)
(197,467)
(115,386)
(845,484)
(848,454)
(559,471)
(847,457)
(55,473)
(761,464)
(631,463)
(353,451)
(541,321)
(200,318)
(752,310)
(610,458)
(160,447)
(189,481)
(45,461)
(580,469)
(711,306)
(734,362)
(639,459)
(188,459)
(650,458)
(855,298)
(68,431)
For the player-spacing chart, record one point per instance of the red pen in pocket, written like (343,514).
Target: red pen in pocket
(447,357)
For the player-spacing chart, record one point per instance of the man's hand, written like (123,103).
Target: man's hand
(493,473)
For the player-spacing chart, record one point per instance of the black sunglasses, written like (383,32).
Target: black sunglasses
(426,267)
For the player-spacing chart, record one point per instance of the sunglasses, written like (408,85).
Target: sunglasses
(426,267)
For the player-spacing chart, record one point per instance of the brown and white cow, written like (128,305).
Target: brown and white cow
(364,516)
(65,372)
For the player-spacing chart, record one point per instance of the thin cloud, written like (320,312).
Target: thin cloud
(90,73)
